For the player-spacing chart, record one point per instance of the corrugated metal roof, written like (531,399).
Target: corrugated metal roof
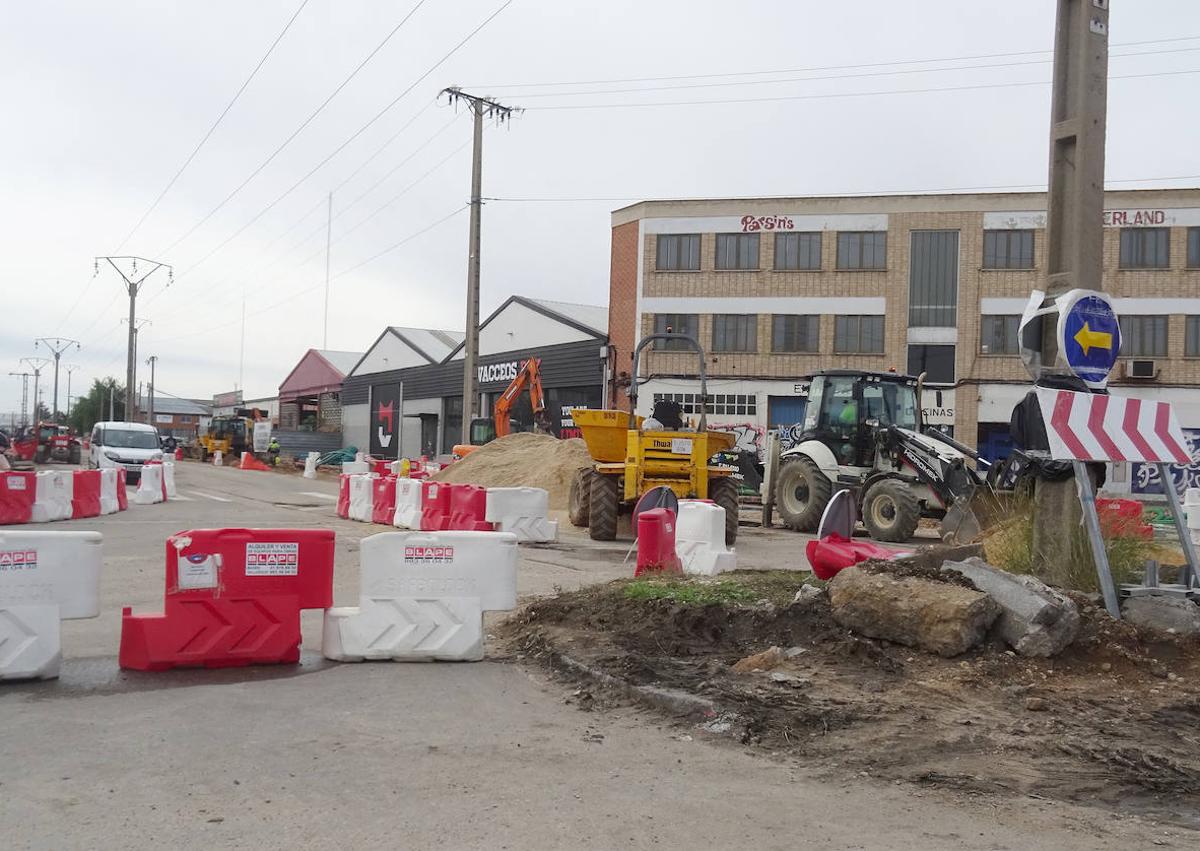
(171,405)
(593,316)
(343,362)
(433,343)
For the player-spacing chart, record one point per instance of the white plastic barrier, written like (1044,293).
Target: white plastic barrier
(423,595)
(1191,509)
(44,577)
(150,485)
(109,502)
(218,458)
(362,497)
(700,539)
(168,474)
(521,511)
(310,465)
(356,468)
(53,497)
(408,504)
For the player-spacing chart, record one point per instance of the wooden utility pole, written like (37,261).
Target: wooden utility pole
(481,108)
(152,360)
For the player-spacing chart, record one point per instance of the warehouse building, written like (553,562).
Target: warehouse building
(776,288)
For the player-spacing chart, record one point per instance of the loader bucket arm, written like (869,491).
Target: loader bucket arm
(633,384)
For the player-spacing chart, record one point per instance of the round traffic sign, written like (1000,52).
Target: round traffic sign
(1089,335)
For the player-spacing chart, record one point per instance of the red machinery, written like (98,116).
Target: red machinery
(47,442)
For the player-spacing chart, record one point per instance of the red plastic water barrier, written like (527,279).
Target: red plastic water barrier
(468,508)
(178,454)
(435,506)
(343,503)
(85,494)
(380,466)
(383,500)
(1122,518)
(833,553)
(122,494)
(656,542)
(17,493)
(233,597)
(249,462)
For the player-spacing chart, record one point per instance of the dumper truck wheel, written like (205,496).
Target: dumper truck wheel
(580,498)
(724,492)
(75,454)
(603,500)
(801,493)
(891,511)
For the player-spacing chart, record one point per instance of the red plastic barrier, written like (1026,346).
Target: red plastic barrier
(468,507)
(1122,518)
(383,500)
(380,466)
(435,506)
(17,493)
(833,553)
(343,503)
(233,597)
(178,454)
(122,494)
(656,542)
(249,462)
(85,494)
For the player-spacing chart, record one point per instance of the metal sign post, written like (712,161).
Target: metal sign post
(1087,497)
(1185,539)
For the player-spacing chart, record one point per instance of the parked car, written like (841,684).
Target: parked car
(128,445)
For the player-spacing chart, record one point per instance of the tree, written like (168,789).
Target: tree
(42,414)
(93,407)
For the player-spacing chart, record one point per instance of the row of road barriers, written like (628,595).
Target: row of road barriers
(50,495)
(233,597)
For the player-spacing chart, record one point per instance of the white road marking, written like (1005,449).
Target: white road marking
(180,498)
(211,496)
(320,495)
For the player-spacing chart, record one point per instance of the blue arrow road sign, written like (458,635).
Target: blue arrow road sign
(1089,336)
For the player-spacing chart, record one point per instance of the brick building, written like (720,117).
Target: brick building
(777,288)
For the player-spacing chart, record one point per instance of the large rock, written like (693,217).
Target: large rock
(1163,613)
(935,616)
(1035,620)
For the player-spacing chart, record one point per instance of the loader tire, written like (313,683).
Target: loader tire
(724,492)
(580,498)
(801,493)
(603,504)
(891,511)
(75,454)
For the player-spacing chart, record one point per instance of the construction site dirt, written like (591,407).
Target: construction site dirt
(1110,723)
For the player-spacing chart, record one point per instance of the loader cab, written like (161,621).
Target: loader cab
(847,407)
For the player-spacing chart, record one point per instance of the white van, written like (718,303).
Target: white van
(127,445)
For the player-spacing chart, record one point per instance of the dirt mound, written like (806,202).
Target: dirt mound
(526,460)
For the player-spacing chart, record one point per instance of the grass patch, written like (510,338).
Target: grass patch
(740,587)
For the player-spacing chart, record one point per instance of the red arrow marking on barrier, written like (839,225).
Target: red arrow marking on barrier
(1133,412)
(1162,422)
(1060,422)
(1096,427)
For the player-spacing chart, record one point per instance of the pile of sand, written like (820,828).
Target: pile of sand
(523,459)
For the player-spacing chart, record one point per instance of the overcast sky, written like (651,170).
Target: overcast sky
(103,102)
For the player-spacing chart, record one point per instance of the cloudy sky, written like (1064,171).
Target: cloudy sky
(104,102)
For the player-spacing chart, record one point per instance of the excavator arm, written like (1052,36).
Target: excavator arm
(528,376)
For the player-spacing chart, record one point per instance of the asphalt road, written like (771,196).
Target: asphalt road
(381,755)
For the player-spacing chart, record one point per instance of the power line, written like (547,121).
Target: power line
(299,129)
(215,124)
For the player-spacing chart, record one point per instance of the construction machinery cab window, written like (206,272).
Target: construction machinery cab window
(858,335)
(678,252)
(1145,248)
(795,333)
(737,251)
(1008,249)
(679,323)
(735,332)
(937,362)
(800,251)
(1144,336)
(862,250)
(998,335)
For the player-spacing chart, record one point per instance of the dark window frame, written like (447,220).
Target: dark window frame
(690,323)
(809,336)
(664,244)
(744,333)
(926,346)
(1012,344)
(1133,330)
(805,243)
(1191,336)
(1133,251)
(842,330)
(1193,248)
(745,247)
(852,250)
(1014,249)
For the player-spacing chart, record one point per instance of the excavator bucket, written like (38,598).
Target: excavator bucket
(960,525)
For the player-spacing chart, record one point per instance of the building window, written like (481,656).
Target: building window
(735,332)
(678,323)
(858,335)
(737,251)
(678,252)
(1145,248)
(1193,248)
(937,362)
(1191,337)
(1008,249)
(797,251)
(933,279)
(998,335)
(1144,336)
(726,404)
(862,249)
(795,333)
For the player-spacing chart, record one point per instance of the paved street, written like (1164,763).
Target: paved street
(483,755)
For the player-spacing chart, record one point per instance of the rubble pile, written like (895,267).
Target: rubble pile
(523,459)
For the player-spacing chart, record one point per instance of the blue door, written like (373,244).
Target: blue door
(785,411)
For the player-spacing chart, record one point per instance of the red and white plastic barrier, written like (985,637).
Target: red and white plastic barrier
(110,480)
(54,491)
(521,511)
(700,539)
(656,542)
(408,504)
(17,494)
(362,494)
(168,477)
(150,485)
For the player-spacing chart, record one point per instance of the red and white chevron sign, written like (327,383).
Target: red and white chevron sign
(1089,427)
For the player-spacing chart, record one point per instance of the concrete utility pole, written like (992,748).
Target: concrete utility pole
(481,108)
(71,367)
(328,243)
(24,396)
(56,345)
(1074,226)
(36,365)
(133,285)
(152,360)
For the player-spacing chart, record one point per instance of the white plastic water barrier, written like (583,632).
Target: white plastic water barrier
(362,497)
(53,500)
(700,539)
(168,473)
(44,577)
(310,465)
(423,595)
(356,467)
(109,503)
(408,504)
(218,459)
(150,485)
(1191,508)
(521,511)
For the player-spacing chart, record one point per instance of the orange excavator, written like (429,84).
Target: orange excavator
(486,429)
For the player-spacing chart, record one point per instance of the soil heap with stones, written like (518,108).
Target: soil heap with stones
(523,459)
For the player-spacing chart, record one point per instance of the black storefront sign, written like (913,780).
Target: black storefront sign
(385,420)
